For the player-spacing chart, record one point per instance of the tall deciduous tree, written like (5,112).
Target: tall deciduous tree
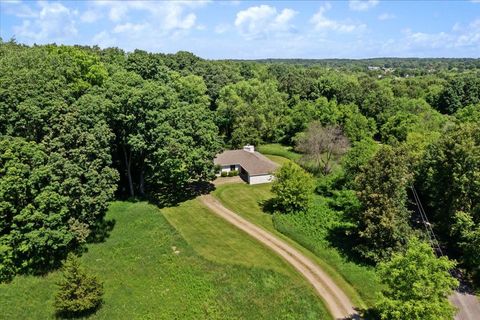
(417,285)
(449,179)
(382,223)
(322,145)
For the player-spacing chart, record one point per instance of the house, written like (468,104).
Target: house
(252,166)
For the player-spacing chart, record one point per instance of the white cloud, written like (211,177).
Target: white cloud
(129,28)
(165,15)
(323,23)
(386,16)
(221,28)
(91,16)
(461,40)
(104,40)
(53,22)
(259,21)
(362,5)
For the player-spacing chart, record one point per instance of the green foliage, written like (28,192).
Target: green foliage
(250,112)
(144,278)
(224,174)
(356,157)
(461,91)
(78,292)
(382,222)
(233,173)
(454,161)
(417,285)
(292,188)
(468,233)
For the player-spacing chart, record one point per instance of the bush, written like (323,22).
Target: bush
(223,174)
(233,173)
(78,292)
(292,189)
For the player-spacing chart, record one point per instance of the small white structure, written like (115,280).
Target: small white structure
(252,166)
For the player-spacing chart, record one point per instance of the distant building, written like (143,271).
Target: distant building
(252,166)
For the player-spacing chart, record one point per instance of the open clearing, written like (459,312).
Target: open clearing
(337,302)
(355,280)
(151,272)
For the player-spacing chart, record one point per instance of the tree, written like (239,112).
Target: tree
(292,188)
(78,292)
(417,285)
(251,112)
(359,155)
(382,222)
(321,145)
(453,161)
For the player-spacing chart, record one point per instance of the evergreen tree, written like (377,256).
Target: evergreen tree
(78,292)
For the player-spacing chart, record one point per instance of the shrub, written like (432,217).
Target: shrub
(78,292)
(292,188)
(223,174)
(233,173)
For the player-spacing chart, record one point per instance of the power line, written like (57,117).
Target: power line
(428,226)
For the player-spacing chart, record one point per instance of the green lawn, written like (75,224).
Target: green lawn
(359,282)
(211,276)
(277,149)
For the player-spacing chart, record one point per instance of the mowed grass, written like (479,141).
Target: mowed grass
(276,149)
(357,281)
(145,278)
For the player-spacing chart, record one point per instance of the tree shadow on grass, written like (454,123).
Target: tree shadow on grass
(170,196)
(101,231)
(342,238)
(268,206)
(78,315)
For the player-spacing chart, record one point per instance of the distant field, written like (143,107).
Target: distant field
(217,272)
(357,281)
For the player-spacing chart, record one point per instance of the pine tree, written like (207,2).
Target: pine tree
(78,292)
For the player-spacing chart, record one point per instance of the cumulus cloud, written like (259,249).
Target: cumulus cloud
(461,40)
(323,23)
(260,21)
(165,15)
(104,39)
(51,22)
(362,5)
(91,16)
(386,16)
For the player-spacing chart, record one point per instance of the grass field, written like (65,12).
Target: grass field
(210,276)
(276,149)
(357,281)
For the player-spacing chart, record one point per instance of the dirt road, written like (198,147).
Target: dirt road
(336,301)
(468,306)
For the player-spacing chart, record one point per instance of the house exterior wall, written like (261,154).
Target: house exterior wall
(227,168)
(265,178)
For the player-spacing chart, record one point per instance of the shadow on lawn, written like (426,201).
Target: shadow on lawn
(342,238)
(170,196)
(77,315)
(101,231)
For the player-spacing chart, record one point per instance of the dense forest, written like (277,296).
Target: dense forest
(81,126)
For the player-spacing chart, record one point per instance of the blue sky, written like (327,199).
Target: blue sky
(254,29)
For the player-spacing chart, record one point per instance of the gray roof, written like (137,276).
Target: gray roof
(253,162)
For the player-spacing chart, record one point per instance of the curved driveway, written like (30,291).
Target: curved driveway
(336,301)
